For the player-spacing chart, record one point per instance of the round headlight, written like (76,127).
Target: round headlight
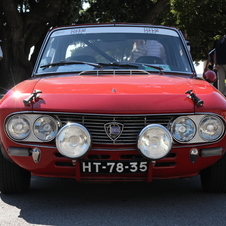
(45,128)
(211,128)
(73,140)
(155,141)
(18,127)
(183,129)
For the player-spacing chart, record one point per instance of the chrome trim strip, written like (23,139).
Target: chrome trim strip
(118,115)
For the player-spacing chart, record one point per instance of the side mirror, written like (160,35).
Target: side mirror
(210,76)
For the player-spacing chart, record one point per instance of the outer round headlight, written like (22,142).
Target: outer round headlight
(155,141)
(18,127)
(45,128)
(73,140)
(211,128)
(183,129)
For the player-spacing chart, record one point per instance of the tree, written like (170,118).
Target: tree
(23,24)
(139,11)
(203,20)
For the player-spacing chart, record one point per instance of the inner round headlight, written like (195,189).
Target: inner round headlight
(211,128)
(18,127)
(73,140)
(45,128)
(154,141)
(183,129)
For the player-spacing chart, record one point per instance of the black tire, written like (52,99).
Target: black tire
(13,178)
(213,178)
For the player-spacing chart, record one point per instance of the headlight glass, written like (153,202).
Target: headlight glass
(183,129)
(18,127)
(73,140)
(154,141)
(211,128)
(45,128)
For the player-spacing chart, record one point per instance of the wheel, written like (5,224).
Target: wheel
(213,178)
(13,178)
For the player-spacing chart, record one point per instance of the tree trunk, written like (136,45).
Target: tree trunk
(21,30)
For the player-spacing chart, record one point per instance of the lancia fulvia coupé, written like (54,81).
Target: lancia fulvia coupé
(113,102)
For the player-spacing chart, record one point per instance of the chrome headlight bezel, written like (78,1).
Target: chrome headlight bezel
(32,136)
(198,121)
(18,123)
(45,128)
(73,140)
(154,141)
(183,129)
(211,125)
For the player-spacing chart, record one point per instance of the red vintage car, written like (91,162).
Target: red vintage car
(113,102)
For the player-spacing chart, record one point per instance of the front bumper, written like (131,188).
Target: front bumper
(180,162)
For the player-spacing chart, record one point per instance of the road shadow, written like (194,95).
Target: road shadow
(54,201)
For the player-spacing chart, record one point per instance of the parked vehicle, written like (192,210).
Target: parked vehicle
(99,107)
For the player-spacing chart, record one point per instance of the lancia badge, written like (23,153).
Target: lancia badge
(113,130)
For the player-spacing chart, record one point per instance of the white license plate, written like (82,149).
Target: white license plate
(113,167)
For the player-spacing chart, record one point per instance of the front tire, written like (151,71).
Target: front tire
(213,178)
(13,178)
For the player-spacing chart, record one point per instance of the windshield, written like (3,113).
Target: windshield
(98,48)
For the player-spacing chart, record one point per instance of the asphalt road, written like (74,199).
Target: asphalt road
(62,202)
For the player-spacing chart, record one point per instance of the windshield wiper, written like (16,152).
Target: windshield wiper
(118,64)
(66,62)
(132,65)
(155,67)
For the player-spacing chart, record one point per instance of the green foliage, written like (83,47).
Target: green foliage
(118,10)
(203,20)
(69,12)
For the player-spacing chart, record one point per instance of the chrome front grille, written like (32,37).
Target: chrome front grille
(132,125)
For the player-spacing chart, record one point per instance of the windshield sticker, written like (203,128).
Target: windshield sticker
(151,30)
(78,31)
(91,30)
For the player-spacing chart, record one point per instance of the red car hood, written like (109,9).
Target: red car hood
(119,94)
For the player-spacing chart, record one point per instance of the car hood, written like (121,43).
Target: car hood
(148,94)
